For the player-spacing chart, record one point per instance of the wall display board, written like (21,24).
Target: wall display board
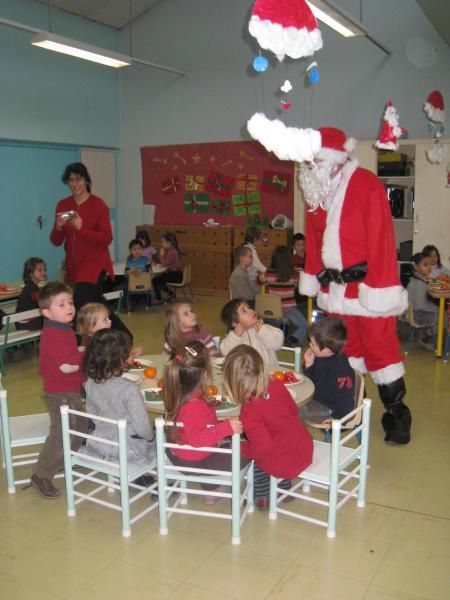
(232,183)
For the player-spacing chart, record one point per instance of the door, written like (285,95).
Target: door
(30,186)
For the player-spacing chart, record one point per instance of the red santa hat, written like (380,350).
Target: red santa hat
(434,107)
(285,27)
(335,145)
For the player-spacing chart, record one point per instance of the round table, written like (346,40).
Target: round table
(302,391)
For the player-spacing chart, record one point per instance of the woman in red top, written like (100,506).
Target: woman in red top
(277,439)
(83,225)
(169,256)
(186,401)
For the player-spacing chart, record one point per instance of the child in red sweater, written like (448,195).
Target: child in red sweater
(277,439)
(186,400)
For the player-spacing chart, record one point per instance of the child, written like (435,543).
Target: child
(240,283)
(253,239)
(169,256)
(34,273)
(136,262)
(148,250)
(59,363)
(437,268)
(330,371)
(111,396)
(91,318)
(283,281)
(277,439)
(298,260)
(186,401)
(245,327)
(425,310)
(182,327)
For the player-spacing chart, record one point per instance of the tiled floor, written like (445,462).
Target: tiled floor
(397,548)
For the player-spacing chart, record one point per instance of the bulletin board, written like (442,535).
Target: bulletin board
(234,183)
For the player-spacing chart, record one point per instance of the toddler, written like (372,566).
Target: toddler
(136,262)
(277,440)
(330,371)
(59,364)
(34,273)
(110,395)
(426,312)
(186,400)
(240,283)
(181,327)
(437,268)
(91,318)
(245,327)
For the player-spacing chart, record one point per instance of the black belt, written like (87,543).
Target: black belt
(354,273)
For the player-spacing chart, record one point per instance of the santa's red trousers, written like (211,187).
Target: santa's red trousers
(374,339)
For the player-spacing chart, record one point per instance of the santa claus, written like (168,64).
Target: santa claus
(351,266)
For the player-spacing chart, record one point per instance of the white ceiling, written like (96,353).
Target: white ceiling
(115,13)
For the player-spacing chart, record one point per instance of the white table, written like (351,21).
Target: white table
(302,391)
(119,269)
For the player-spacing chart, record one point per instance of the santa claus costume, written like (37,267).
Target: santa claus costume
(351,266)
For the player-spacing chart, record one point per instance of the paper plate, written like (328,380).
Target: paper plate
(217,362)
(144,362)
(131,377)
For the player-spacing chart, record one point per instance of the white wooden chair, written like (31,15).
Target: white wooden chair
(20,432)
(335,468)
(297,352)
(173,479)
(107,475)
(12,338)
(116,297)
(185,284)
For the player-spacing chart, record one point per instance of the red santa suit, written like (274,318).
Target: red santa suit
(356,228)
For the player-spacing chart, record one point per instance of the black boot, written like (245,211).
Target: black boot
(396,420)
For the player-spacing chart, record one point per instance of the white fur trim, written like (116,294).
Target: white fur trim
(331,155)
(386,300)
(335,302)
(331,244)
(434,114)
(358,363)
(386,145)
(388,374)
(285,40)
(308,284)
(287,143)
(350,144)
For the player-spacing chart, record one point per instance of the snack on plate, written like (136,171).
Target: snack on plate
(150,372)
(286,377)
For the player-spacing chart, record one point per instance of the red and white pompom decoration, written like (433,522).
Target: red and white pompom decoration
(285,27)
(390,130)
(434,107)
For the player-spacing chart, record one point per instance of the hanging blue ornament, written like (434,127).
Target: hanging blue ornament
(260,64)
(314,75)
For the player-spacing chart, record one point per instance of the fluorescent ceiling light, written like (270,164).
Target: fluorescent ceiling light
(335,18)
(50,41)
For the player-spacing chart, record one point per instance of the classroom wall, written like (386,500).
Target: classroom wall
(48,97)
(209,40)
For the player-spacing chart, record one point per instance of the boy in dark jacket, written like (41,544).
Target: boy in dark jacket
(330,371)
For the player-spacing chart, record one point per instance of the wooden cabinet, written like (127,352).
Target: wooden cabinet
(207,249)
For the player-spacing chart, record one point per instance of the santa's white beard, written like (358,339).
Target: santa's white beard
(315,181)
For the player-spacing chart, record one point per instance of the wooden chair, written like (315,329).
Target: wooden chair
(335,468)
(414,327)
(358,396)
(139,284)
(12,338)
(238,481)
(115,298)
(270,309)
(107,474)
(20,432)
(185,284)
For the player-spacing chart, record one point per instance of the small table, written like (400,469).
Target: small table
(303,390)
(442,296)
(119,269)
(16,288)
